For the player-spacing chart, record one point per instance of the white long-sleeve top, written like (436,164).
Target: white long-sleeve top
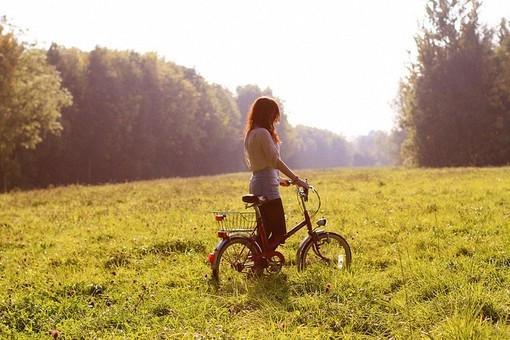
(261,151)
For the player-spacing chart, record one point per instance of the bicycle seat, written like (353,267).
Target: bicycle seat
(251,199)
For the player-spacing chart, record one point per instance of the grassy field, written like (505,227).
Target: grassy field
(431,258)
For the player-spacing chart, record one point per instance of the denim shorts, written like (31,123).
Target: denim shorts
(265,182)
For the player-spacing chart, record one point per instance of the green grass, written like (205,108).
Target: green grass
(431,258)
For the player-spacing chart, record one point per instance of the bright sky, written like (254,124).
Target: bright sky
(336,64)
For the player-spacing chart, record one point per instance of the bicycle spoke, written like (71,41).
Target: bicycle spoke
(227,256)
(242,250)
(235,259)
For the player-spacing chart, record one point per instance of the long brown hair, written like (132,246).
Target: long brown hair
(263,113)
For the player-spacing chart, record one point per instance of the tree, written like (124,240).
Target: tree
(444,106)
(59,156)
(319,148)
(500,96)
(377,148)
(32,98)
(10,52)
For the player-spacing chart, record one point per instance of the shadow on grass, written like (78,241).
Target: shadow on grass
(271,288)
(266,289)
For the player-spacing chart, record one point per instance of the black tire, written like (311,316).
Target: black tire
(234,261)
(330,246)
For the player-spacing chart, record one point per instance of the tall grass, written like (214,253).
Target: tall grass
(431,258)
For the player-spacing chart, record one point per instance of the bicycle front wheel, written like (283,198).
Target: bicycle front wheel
(328,249)
(235,261)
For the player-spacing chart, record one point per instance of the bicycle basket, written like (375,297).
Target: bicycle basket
(235,221)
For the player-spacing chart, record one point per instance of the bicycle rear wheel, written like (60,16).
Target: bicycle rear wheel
(328,249)
(235,261)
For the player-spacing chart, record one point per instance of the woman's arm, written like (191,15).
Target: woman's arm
(280,165)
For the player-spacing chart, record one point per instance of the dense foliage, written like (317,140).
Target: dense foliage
(134,117)
(455,102)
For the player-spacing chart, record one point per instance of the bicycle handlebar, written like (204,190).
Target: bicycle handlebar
(302,192)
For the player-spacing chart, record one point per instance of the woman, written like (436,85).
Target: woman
(262,149)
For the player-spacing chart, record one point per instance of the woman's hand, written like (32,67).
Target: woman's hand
(299,182)
(285,182)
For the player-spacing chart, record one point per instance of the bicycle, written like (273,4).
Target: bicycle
(243,249)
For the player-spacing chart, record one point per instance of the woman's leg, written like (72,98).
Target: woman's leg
(273,218)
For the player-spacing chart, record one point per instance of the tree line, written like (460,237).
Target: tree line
(455,101)
(69,116)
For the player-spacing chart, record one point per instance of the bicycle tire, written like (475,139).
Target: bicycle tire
(234,260)
(331,246)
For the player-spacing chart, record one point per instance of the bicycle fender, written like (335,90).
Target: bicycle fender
(303,244)
(255,244)
(222,243)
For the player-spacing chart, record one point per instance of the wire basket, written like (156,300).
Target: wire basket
(235,221)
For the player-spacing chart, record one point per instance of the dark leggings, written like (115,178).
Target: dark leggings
(273,219)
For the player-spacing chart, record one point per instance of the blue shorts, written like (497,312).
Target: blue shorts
(265,182)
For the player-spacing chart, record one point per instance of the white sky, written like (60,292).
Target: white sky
(336,64)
